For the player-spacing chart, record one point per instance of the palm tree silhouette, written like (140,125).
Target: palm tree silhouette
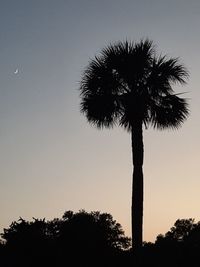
(129,85)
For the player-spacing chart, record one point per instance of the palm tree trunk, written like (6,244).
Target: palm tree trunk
(137,186)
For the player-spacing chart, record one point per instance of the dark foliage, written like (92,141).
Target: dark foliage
(179,247)
(95,239)
(82,239)
(128,82)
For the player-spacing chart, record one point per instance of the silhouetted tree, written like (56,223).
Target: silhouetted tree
(95,228)
(27,242)
(180,231)
(92,235)
(94,239)
(77,238)
(129,85)
(180,246)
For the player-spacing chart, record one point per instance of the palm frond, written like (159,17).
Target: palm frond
(100,110)
(169,71)
(170,112)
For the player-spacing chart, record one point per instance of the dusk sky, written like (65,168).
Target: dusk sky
(51,159)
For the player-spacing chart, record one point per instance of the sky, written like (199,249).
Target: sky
(51,159)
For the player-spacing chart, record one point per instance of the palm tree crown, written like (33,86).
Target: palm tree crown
(128,83)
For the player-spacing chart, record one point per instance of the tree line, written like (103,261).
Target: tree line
(94,239)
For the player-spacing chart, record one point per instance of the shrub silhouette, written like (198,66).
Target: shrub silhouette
(94,239)
(181,244)
(78,238)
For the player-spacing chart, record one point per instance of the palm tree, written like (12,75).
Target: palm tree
(129,85)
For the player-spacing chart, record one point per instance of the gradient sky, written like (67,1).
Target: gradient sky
(51,159)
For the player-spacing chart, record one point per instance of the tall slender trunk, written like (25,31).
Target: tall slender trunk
(137,186)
